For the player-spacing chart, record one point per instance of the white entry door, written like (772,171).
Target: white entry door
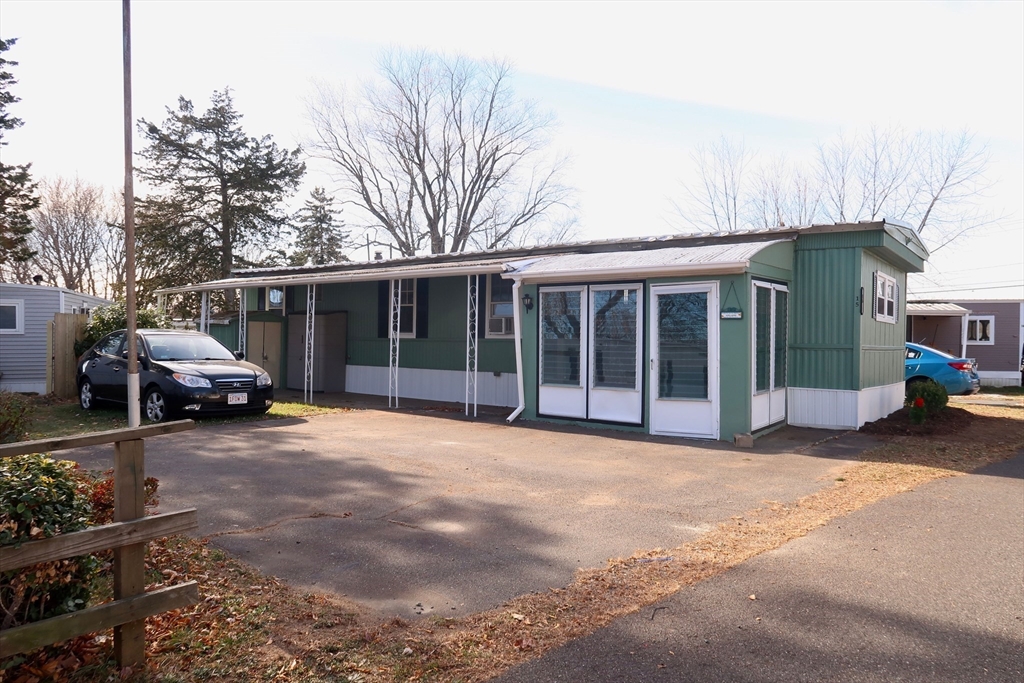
(684,360)
(768,350)
(591,352)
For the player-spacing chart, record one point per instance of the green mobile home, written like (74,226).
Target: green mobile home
(703,336)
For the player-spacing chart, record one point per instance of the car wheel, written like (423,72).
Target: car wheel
(156,406)
(86,398)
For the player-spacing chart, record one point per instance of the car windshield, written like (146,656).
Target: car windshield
(186,347)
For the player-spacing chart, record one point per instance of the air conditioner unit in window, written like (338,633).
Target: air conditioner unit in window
(500,326)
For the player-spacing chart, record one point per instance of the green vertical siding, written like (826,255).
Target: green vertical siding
(226,334)
(444,348)
(882,350)
(824,330)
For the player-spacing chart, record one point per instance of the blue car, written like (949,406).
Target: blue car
(958,375)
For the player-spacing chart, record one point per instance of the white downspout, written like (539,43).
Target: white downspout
(518,328)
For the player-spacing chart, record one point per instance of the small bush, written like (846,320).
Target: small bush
(15,417)
(107,319)
(934,395)
(41,497)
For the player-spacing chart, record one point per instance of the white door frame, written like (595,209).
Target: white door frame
(559,400)
(708,410)
(769,406)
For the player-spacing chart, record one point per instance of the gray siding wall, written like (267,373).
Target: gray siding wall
(1004,354)
(23,356)
(75,302)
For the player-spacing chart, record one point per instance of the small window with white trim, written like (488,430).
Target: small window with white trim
(12,316)
(887,298)
(500,307)
(407,308)
(981,330)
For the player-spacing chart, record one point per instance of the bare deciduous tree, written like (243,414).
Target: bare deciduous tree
(442,155)
(70,229)
(717,201)
(932,181)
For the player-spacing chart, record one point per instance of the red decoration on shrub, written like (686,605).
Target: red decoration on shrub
(919,402)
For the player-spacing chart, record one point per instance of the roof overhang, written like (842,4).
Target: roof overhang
(714,259)
(937,310)
(363,275)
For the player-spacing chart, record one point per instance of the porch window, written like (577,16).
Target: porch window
(781,309)
(887,298)
(981,329)
(615,338)
(500,307)
(560,338)
(683,345)
(763,338)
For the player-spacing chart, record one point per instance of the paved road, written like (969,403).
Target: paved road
(926,586)
(423,513)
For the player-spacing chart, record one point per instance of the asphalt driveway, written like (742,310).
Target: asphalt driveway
(419,513)
(921,587)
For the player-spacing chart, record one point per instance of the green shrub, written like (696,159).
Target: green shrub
(934,395)
(107,319)
(15,417)
(41,497)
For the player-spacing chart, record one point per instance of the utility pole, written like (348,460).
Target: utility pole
(134,403)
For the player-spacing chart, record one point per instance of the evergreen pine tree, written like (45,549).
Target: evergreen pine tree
(320,237)
(17,191)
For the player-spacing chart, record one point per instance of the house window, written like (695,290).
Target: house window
(981,329)
(500,307)
(12,316)
(887,298)
(275,298)
(407,308)
(560,338)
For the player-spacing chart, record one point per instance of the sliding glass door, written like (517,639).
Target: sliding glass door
(768,349)
(591,346)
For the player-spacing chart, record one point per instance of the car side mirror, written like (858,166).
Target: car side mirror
(240,355)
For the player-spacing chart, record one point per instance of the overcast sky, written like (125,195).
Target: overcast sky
(634,86)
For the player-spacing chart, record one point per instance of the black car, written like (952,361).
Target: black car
(180,371)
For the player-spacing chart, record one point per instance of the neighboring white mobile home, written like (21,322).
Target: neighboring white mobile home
(25,312)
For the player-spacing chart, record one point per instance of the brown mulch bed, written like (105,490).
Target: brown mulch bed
(946,422)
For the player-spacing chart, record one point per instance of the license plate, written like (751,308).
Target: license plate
(238,399)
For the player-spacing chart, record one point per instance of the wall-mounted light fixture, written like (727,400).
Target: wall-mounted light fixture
(527,302)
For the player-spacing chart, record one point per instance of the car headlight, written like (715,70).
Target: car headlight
(192,380)
(263,380)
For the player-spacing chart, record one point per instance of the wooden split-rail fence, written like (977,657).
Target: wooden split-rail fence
(126,536)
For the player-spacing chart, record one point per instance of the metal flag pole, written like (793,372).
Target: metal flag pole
(134,403)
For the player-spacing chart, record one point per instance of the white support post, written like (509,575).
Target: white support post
(472,329)
(204,314)
(307,384)
(242,320)
(395,311)
(963,335)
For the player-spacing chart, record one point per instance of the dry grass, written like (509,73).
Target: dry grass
(250,627)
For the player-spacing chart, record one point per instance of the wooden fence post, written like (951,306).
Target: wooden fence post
(67,329)
(130,560)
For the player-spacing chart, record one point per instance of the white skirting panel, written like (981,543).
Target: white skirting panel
(434,385)
(838,409)
(35,387)
(999,378)
(874,403)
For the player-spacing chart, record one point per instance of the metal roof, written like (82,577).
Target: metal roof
(469,263)
(716,258)
(938,309)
